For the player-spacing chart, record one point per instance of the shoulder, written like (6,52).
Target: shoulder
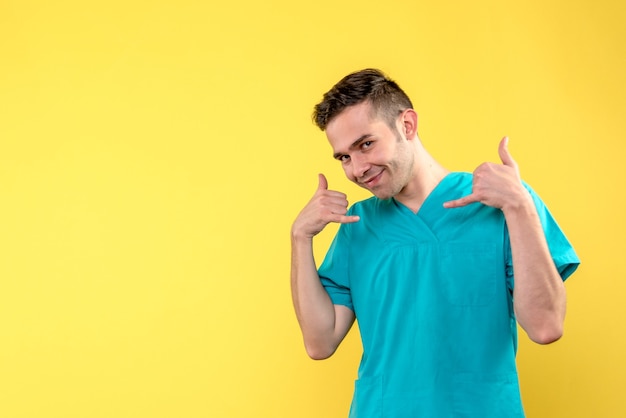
(369,206)
(458,179)
(454,186)
(373,213)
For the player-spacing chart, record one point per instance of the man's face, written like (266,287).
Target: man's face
(373,155)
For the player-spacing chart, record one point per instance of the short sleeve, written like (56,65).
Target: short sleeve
(562,252)
(334,271)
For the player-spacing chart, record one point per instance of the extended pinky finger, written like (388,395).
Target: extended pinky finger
(464,201)
(348,219)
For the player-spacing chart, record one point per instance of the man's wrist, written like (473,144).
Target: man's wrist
(297,236)
(521,207)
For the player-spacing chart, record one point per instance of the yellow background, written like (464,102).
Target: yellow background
(153,155)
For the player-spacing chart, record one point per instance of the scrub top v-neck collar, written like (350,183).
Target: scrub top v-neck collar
(432,207)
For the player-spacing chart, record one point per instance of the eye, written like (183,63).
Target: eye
(343,158)
(366,144)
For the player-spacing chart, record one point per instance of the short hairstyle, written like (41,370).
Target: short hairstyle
(387,98)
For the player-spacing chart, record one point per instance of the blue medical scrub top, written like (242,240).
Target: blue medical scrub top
(432,294)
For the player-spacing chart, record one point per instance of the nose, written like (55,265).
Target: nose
(359,167)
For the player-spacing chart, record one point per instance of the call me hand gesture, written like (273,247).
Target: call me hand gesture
(496,185)
(325,206)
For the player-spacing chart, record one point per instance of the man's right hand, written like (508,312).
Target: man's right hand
(325,206)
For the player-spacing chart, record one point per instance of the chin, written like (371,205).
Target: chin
(382,194)
(379,192)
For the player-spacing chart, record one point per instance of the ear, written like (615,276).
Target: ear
(409,123)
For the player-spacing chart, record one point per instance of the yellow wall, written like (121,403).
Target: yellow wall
(153,155)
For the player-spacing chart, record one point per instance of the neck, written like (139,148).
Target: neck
(427,173)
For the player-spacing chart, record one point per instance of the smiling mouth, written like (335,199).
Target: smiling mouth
(372,180)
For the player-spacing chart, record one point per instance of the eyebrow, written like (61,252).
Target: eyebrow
(354,144)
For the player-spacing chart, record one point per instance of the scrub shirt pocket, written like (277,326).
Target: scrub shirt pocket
(487,396)
(468,273)
(367,401)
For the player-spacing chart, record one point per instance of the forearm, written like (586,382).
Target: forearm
(315,311)
(539,292)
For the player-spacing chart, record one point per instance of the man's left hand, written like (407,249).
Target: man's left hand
(496,185)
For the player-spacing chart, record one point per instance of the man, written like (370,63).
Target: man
(436,266)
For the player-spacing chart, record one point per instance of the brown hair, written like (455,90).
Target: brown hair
(387,98)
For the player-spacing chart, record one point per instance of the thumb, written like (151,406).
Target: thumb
(503,151)
(323,183)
